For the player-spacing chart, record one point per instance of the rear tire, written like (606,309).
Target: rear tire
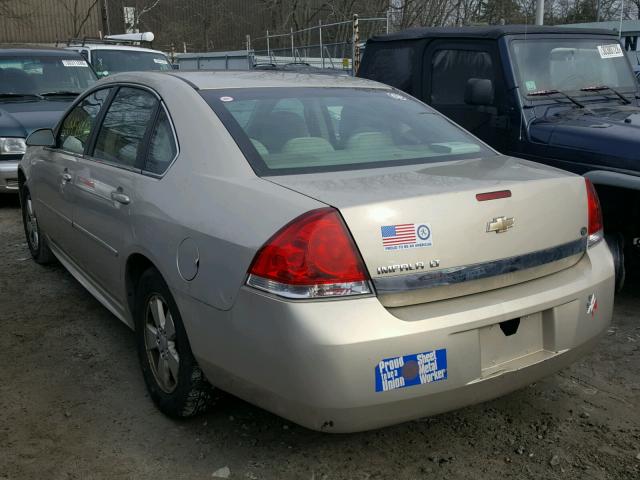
(36,241)
(173,378)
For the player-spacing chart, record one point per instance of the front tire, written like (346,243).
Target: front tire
(173,378)
(36,241)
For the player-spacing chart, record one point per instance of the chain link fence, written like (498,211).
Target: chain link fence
(331,45)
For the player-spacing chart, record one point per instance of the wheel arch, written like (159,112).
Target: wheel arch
(137,263)
(22,178)
(614,179)
(620,199)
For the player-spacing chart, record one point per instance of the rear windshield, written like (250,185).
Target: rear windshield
(302,130)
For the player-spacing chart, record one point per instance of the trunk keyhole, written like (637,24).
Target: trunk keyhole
(510,327)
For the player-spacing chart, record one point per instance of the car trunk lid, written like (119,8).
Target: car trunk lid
(425,235)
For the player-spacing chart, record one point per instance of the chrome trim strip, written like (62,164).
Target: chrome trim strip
(454,275)
(98,240)
(54,211)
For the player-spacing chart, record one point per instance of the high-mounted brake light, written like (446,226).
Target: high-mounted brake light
(483,197)
(595,228)
(313,256)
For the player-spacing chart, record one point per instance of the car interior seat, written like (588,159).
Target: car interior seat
(276,128)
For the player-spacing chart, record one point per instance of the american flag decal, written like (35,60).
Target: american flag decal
(403,234)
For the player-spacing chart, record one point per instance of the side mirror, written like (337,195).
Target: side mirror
(41,138)
(479,91)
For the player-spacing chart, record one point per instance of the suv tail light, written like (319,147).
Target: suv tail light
(313,256)
(595,229)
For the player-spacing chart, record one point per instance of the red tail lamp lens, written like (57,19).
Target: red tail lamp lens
(314,249)
(595,212)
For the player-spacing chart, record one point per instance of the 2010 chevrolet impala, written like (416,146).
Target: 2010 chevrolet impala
(329,249)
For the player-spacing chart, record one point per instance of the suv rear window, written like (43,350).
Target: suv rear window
(303,130)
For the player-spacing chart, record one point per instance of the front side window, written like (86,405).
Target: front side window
(107,62)
(336,129)
(120,138)
(162,146)
(569,65)
(76,128)
(44,75)
(451,71)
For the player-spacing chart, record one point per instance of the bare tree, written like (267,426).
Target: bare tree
(80,11)
(140,9)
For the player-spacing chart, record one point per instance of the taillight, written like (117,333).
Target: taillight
(313,256)
(595,228)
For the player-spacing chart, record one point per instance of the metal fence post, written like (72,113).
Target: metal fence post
(268,51)
(355,61)
(321,50)
(293,55)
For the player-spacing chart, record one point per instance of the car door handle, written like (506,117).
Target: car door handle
(120,197)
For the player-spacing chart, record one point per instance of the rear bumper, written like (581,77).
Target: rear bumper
(318,363)
(9,176)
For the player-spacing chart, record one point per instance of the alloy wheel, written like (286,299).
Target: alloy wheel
(31,224)
(160,343)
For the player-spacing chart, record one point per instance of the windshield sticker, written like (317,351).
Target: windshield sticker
(610,51)
(226,99)
(531,85)
(406,235)
(409,370)
(161,61)
(74,63)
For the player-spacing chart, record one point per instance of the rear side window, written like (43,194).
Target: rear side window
(331,129)
(451,69)
(76,127)
(162,146)
(121,135)
(392,65)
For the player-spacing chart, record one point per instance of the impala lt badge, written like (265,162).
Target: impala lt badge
(500,224)
(402,267)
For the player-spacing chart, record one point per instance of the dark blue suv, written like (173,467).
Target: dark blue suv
(560,96)
(36,87)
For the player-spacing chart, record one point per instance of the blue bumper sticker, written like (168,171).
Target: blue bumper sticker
(410,370)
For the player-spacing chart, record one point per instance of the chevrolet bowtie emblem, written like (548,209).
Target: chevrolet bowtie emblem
(500,224)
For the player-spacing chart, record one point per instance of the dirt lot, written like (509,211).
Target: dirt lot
(73,406)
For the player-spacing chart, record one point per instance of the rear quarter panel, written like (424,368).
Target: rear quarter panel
(209,195)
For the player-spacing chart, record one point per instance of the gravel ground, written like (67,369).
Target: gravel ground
(73,406)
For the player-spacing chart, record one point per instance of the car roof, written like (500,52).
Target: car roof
(102,46)
(488,32)
(42,52)
(207,80)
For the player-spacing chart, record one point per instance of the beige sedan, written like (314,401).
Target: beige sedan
(329,249)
